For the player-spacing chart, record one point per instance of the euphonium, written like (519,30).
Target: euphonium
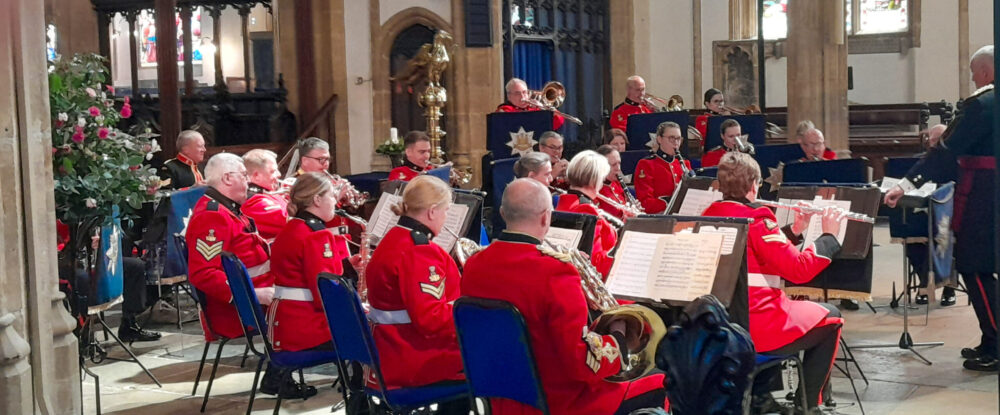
(464,247)
(551,97)
(644,328)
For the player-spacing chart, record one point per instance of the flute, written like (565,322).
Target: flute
(854,216)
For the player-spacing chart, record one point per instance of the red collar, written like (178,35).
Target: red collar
(184,159)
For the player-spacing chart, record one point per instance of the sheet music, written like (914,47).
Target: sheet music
(785,216)
(630,273)
(728,236)
(454,221)
(815,229)
(685,265)
(696,201)
(567,238)
(383,218)
(889,182)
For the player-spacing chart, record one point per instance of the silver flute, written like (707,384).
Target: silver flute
(854,216)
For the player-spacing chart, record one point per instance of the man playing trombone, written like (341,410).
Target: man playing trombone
(635,91)
(518,100)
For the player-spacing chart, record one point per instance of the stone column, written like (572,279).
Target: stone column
(817,69)
(32,378)
(623,45)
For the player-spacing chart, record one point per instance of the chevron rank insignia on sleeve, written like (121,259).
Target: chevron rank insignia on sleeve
(776,237)
(208,247)
(434,291)
(270,205)
(770,224)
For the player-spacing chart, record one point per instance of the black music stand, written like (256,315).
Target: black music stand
(641,129)
(578,221)
(905,339)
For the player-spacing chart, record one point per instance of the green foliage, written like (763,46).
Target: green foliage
(96,166)
(390,147)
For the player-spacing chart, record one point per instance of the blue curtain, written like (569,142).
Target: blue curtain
(533,63)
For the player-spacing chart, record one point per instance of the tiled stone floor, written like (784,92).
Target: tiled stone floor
(899,382)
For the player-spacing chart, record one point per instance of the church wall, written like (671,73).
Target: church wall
(389,8)
(357,28)
(926,73)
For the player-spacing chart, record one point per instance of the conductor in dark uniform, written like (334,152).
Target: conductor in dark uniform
(183,171)
(965,153)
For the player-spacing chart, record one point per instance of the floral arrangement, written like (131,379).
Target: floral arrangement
(391,147)
(96,166)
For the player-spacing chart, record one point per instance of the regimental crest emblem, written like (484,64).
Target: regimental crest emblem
(642,174)
(652,142)
(770,224)
(775,176)
(434,277)
(210,247)
(327,253)
(521,142)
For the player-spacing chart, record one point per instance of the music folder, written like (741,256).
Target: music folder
(672,260)
(856,238)
(572,230)
(694,195)
(461,215)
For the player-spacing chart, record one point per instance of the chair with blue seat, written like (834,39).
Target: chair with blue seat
(354,342)
(496,352)
(253,322)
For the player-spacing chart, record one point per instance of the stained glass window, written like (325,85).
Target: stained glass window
(873,16)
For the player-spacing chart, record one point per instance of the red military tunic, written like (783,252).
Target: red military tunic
(557,120)
(619,116)
(216,225)
(269,211)
(302,250)
(827,155)
(655,179)
(776,320)
(712,157)
(701,123)
(605,235)
(613,190)
(549,297)
(408,171)
(412,284)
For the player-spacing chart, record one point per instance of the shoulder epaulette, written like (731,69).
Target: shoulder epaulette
(562,256)
(619,105)
(650,157)
(716,148)
(315,224)
(980,91)
(212,205)
(419,238)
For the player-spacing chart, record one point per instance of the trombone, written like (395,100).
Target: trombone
(674,103)
(551,97)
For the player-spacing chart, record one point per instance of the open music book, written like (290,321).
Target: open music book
(564,237)
(384,219)
(696,201)
(675,266)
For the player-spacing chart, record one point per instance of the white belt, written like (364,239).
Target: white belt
(259,269)
(764,280)
(388,317)
(292,293)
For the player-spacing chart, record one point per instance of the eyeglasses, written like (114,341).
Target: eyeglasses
(322,160)
(557,148)
(672,138)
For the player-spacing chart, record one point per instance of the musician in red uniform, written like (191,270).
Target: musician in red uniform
(715,104)
(551,143)
(612,188)
(779,325)
(635,89)
(518,101)
(267,209)
(657,176)
(534,165)
(731,132)
(218,225)
(812,142)
(587,172)
(417,156)
(412,284)
(572,362)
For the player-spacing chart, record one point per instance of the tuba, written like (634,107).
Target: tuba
(551,97)
(644,328)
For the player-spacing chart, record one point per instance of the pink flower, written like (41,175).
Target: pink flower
(134,168)
(126,110)
(59,124)
(94,111)
(111,89)
(102,133)
(78,136)
(91,92)
(55,150)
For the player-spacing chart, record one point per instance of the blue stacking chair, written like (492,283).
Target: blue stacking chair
(764,362)
(502,174)
(210,337)
(353,340)
(496,352)
(252,319)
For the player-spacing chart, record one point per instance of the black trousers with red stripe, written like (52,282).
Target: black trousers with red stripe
(982,293)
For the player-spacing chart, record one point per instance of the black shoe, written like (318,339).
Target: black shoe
(972,352)
(922,299)
(948,297)
(130,332)
(851,305)
(982,364)
(289,388)
(766,404)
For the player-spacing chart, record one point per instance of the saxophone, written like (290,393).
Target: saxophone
(364,251)
(644,328)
